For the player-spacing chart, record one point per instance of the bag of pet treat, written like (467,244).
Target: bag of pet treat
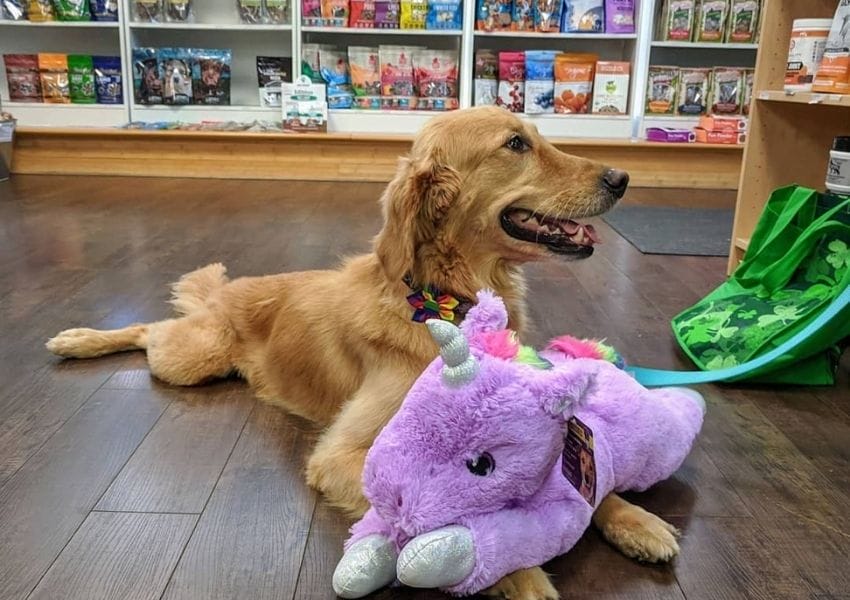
(833,75)
(334,14)
(362,14)
(749,75)
(276,11)
(311,13)
(413,14)
(694,85)
(611,88)
(583,16)
(387,14)
(486,84)
(72,10)
(107,79)
(147,80)
(678,19)
(494,15)
(148,11)
(523,15)
(81,79)
(175,65)
(250,11)
(23,78)
(178,11)
(310,63)
(574,82)
(436,79)
(743,21)
(547,15)
(104,10)
(712,16)
(619,16)
(53,70)
(511,93)
(211,77)
(444,14)
(40,11)
(272,71)
(539,81)
(13,10)
(661,90)
(365,67)
(398,78)
(727,91)
(334,70)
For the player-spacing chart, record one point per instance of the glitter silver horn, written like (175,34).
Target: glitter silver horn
(460,366)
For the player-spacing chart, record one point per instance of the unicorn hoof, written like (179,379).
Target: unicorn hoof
(368,565)
(695,395)
(437,559)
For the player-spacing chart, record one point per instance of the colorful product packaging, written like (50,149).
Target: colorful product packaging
(334,70)
(661,90)
(276,11)
(486,84)
(147,79)
(511,92)
(23,78)
(104,10)
(436,79)
(583,16)
(833,75)
(678,19)
(334,14)
(547,15)
(175,66)
(40,11)
(444,14)
(272,72)
(743,21)
(494,15)
(539,81)
(694,88)
(310,63)
(109,87)
(72,10)
(574,83)
(523,15)
(398,78)
(727,91)
(611,88)
(81,79)
(749,76)
(211,77)
(712,16)
(413,14)
(362,14)
(53,70)
(311,13)
(387,14)
(365,66)
(619,16)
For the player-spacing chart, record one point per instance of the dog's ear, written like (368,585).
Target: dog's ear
(414,204)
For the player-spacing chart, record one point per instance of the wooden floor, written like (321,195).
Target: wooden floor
(115,486)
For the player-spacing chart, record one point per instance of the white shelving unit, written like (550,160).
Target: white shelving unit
(216,25)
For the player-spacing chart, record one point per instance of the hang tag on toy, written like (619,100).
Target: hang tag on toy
(578,464)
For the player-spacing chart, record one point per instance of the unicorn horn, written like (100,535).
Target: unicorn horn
(460,366)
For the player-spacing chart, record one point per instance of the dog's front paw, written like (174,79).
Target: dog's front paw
(75,343)
(642,535)
(525,584)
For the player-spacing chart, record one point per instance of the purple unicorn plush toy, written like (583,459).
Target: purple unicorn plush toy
(499,455)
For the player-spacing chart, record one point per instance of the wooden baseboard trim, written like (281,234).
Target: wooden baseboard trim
(326,157)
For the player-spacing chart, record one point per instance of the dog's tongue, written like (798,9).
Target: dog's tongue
(579,233)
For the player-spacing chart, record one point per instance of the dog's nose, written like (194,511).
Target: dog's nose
(615,181)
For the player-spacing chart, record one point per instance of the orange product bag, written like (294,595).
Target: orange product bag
(574,82)
(53,71)
(833,75)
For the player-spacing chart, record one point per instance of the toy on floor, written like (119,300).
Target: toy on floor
(499,455)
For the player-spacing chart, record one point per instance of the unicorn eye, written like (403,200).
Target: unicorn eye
(482,465)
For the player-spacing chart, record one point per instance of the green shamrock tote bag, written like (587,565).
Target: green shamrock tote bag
(797,264)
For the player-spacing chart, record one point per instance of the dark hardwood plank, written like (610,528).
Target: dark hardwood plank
(250,540)
(44,503)
(117,555)
(328,532)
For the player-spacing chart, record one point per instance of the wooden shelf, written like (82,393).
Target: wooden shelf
(742,243)
(804,98)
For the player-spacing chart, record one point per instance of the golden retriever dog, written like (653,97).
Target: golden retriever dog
(480,193)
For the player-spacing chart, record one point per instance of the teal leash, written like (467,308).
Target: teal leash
(661,378)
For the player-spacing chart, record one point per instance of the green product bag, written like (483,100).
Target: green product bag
(81,79)
(797,263)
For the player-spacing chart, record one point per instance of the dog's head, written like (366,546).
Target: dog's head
(481,186)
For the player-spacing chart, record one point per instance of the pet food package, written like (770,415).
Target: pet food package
(444,14)
(148,11)
(398,78)
(276,11)
(365,66)
(272,72)
(486,83)
(178,11)
(611,88)
(523,15)
(250,12)
(147,80)
(727,91)
(539,81)
(693,89)
(362,14)
(211,77)
(13,10)
(81,79)
(436,79)
(547,15)
(386,14)
(749,76)
(175,65)
(743,21)
(334,14)
(305,108)
(333,65)
(511,92)
(712,16)
(574,82)
(678,18)
(40,11)
(833,75)
(23,78)
(53,70)
(109,86)
(413,14)
(619,16)
(661,85)
(583,16)
(311,13)
(72,10)
(494,15)
(310,65)
(104,10)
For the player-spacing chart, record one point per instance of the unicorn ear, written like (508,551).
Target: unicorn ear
(489,314)
(560,391)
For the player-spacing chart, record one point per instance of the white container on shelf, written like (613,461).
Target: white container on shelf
(838,173)
(805,52)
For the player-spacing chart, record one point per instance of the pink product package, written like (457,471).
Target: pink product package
(619,16)
(387,14)
(668,134)
(511,93)
(311,13)
(398,86)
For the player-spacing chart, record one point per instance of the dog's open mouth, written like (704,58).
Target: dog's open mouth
(562,236)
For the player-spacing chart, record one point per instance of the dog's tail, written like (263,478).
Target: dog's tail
(190,293)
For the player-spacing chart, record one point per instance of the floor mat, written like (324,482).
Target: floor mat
(665,230)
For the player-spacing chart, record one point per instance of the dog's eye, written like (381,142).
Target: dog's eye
(517,144)
(481,465)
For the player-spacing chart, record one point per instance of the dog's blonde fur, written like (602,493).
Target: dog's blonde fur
(338,347)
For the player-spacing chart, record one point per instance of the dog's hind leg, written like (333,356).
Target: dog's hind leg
(90,343)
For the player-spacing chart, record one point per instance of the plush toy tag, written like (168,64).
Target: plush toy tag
(577,463)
